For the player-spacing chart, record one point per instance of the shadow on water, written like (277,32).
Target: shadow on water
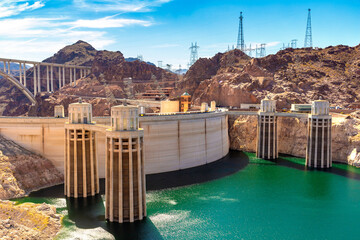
(230,164)
(86,212)
(144,229)
(89,213)
(281,161)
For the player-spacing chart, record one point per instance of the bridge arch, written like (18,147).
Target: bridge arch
(21,87)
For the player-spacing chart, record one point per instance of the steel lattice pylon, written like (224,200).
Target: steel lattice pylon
(193,53)
(240,42)
(308,36)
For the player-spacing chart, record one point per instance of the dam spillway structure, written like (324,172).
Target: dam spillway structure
(125,199)
(318,151)
(81,163)
(267,139)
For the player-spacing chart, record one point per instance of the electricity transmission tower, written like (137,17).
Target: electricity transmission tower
(260,51)
(240,41)
(193,53)
(140,57)
(293,43)
(308,36)
(249,50)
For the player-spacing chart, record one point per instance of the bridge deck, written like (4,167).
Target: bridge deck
(43,63)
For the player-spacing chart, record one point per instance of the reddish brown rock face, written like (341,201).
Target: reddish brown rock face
(22,171)
(345,135)
(290,76)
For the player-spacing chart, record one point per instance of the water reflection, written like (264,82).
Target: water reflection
(144,229)
(230,164)
(88,213)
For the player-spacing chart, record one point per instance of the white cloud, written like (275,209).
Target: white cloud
(14,7)
(57,27)
(38,38)
(109,22)
(123,5)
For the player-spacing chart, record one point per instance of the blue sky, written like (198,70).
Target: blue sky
(164,29)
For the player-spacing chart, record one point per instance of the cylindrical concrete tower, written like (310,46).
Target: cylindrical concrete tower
(125,174)
(59,111)
(212,106)
(318,151)
(267,147)
(81,165)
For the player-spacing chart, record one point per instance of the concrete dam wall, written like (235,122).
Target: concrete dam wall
(171,142)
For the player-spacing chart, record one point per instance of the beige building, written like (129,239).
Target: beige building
(318,151)
(81,164)
(169,106)
(267,147)
(204,107)
(125,174)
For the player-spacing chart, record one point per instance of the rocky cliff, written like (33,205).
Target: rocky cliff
(290,76)
(345,136)
(28,221)
(22,171)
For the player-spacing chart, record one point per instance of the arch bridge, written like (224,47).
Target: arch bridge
(28,76)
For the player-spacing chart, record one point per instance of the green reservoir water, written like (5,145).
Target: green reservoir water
(263,200)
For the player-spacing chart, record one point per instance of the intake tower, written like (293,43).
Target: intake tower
(81,164)
(125,175)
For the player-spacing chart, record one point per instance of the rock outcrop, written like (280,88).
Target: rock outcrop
(28,221)
(292,135)
(289,76)
(22,171)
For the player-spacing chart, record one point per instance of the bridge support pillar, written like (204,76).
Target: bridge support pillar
(81,164)
(52,78)
(125,175)
(74,77)
(20,74)
(35,79)
(63,76)
(59,68)
(267,139)
(47,79)
(24,79)
(318,151)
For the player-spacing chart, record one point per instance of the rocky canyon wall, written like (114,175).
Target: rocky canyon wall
(292,134)
(22,171)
